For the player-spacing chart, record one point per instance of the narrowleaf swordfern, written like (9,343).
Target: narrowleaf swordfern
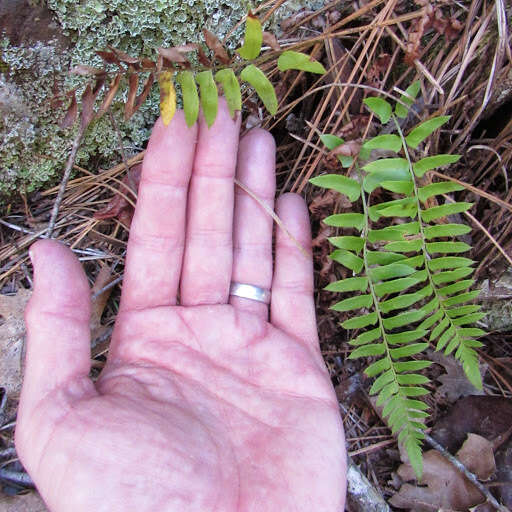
(410,284)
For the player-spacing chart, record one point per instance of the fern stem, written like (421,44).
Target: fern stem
(366,228)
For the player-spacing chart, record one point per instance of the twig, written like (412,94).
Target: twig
(8,453)
(108,286)
(361,493)
(15,477)
(121,150)
(3,404)
(484,230)
(8,425)
(475,190)
(16,228)
(470,476)
(65,179)
(492,150)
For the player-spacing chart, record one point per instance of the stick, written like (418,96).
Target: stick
(470,476)
(65,179)
(15,477)
(361,493)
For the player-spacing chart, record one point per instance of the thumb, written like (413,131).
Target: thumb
(57,319)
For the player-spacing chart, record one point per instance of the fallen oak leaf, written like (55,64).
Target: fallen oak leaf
(454,382)
(487,416)
(446,487)
(477,455)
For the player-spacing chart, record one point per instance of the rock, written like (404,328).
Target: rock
(496,302)
(30,502)
(12,336)
(40,44)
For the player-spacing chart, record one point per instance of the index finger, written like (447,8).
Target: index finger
(157,234)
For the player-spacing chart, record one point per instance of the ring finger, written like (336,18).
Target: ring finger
(252,228)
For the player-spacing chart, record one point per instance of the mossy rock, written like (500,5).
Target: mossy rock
(40,44)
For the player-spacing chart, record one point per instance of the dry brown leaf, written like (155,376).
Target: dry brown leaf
(147,63)
(453,29)
(88,98)
(322,249)
(432,17)
(295,20)
(141,98)
(83,70)
(379,67)
(354,128)
(12,334)
(124,57)
(454,382)
(213,42)
(348,148)
(185,48)
(118,206)
(172,54)
(103,278)
(477,455)
(203,59)
(487,416)
(109,96)
(504,473)
(108,57)
(133,83)
(71,113)
(412,46)
(270,39)
(446,487)
(417,499)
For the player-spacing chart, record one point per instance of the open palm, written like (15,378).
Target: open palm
(205,406)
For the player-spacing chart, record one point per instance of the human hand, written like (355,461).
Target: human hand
(205,406)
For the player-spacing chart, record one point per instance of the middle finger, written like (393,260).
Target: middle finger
(206,271)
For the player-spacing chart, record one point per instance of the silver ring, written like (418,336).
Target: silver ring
(249,291)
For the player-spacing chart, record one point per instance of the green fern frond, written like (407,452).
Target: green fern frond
(411,281)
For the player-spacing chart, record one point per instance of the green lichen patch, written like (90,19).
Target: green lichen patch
(34,148)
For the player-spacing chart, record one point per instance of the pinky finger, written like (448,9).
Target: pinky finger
(293,307)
